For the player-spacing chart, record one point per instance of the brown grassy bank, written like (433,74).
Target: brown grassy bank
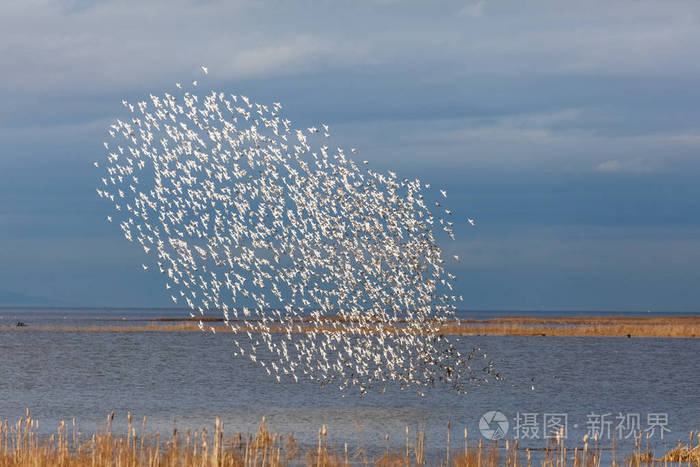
(672,326)
(21,445)
(621,326)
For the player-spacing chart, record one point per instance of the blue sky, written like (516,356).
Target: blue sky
(570,131)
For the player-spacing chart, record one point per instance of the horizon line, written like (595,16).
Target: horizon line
(467,310)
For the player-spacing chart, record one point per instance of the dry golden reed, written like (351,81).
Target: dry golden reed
(21,445)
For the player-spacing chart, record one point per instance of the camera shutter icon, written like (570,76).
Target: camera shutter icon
(493,425)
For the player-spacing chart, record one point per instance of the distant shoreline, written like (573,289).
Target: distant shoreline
(497,312)
(676,326)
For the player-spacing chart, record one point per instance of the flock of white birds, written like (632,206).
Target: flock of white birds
(321,267)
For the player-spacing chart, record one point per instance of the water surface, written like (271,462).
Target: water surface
(185,379)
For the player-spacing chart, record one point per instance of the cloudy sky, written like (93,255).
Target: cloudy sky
(569,130)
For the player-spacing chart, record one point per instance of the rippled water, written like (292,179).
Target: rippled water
(186,379)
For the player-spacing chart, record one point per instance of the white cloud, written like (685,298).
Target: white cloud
(297,54)
(475,10)
(635,165)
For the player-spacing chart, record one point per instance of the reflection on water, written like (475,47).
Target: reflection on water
(186,379)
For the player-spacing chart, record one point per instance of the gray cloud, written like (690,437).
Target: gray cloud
(571,131)
(60,44)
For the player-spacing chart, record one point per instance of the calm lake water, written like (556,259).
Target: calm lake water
(186,379)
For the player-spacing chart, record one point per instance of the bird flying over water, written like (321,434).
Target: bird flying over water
(320,266)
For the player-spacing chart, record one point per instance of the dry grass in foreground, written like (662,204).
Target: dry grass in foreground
(21,445)
(655,326)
